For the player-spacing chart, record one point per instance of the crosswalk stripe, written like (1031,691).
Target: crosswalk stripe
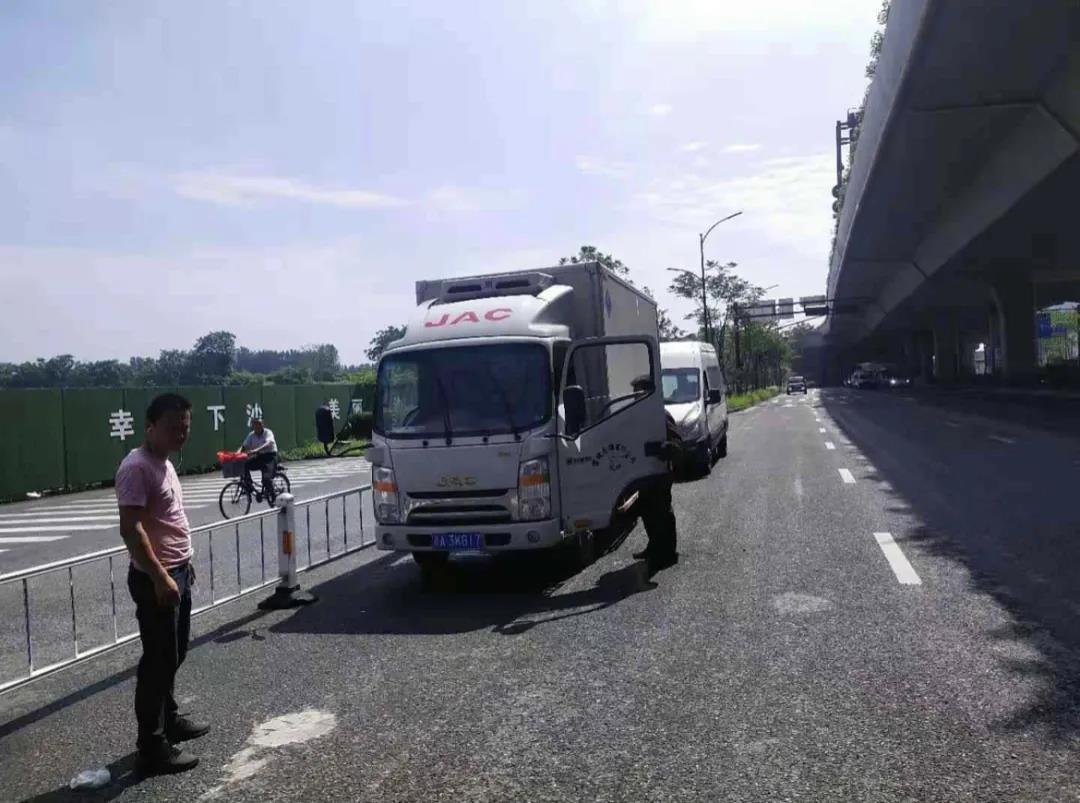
(60,520)
(39,539)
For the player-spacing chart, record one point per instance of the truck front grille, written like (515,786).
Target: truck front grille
(457,509)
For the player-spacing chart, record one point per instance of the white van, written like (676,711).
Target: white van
(695,397)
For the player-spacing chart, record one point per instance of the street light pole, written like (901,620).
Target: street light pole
(704,295)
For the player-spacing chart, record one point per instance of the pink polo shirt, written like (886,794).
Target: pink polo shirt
(150,482)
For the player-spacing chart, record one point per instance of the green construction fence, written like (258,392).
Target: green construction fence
(52,439)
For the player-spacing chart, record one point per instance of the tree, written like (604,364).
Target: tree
(668,330)
(383,338)
(214,357)
(172,368)
(590,253)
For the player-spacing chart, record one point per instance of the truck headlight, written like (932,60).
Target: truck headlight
(534,490)
(385,492)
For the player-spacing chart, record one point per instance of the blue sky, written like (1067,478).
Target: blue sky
(288,170)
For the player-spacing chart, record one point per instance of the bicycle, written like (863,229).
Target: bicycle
(236,496)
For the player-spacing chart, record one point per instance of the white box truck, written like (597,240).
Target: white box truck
(520,411)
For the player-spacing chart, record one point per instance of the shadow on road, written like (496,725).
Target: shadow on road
(1010,524)
(508,594)
(123,778)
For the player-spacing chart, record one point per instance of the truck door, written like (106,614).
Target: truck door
(611,425)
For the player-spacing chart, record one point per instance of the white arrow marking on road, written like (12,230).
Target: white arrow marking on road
(31,539)
(1002,439)
(830,445)
(899,563)
(847,476)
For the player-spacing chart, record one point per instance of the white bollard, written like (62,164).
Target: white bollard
(288,593)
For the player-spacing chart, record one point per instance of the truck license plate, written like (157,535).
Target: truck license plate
(456,541)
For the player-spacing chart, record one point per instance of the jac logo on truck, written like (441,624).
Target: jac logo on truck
(497,314)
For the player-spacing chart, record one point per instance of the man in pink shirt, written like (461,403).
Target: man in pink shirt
(155,529)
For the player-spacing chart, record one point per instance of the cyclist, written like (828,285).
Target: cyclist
(261,449)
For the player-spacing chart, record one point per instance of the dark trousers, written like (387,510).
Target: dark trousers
(261,462)
(654,506)
(164,632)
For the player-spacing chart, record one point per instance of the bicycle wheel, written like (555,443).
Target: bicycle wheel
(281,486)
(234,500)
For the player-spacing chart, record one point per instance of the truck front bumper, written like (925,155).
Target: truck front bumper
(512,537)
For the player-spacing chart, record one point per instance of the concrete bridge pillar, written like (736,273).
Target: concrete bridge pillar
(946,337)
(1014,299)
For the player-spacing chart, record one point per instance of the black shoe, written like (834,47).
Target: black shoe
(168,760)
(659,562)
(184,729)
(644,554)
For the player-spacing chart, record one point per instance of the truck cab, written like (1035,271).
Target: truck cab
(518,412)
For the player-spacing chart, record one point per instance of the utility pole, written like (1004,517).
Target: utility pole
(701,249)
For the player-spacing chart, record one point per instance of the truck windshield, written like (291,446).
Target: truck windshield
(681,385)
(463,391)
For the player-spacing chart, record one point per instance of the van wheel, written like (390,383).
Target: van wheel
(721,449)
(577,551)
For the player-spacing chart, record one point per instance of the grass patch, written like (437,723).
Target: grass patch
(744,400)
(313,450)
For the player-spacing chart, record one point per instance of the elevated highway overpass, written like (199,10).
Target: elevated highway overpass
(961,214)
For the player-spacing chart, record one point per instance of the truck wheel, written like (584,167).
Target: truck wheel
(721,450)
(578,551)
(427,559)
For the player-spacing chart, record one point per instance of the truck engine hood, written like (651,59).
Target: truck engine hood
(457,468)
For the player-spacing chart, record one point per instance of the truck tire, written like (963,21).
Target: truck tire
(427,559)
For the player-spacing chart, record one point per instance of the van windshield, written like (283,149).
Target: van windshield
(681,385)
(462,391)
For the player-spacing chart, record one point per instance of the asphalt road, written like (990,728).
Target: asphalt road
(892,618)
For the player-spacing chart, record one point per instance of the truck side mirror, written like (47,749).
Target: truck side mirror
(715,396)
(643,384)
(573,398)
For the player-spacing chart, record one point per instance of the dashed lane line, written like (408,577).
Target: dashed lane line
(898,561)
(1002,439)
(846,476)
(821,430)
(830,445)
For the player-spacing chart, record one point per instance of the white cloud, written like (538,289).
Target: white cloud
(786,199)
(690,20)
(468,199)
(591,166)
(660,110)
(692,147)
(229,189)
(741,148)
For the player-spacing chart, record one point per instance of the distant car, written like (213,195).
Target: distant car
(896,381)
(864,380)
(796,384)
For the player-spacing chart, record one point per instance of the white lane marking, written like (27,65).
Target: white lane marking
(3,550)
(30,539)
(898,561)
(821,430)
(847,476)
(798,487)
(830,445)
(65,520)
(952,424)
(1002,439)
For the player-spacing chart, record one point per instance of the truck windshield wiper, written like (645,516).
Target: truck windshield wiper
(505,401)
(439,386)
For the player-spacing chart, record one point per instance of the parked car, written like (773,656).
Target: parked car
(796,384)
(696,400)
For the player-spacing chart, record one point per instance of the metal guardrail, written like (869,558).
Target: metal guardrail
(110,556)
